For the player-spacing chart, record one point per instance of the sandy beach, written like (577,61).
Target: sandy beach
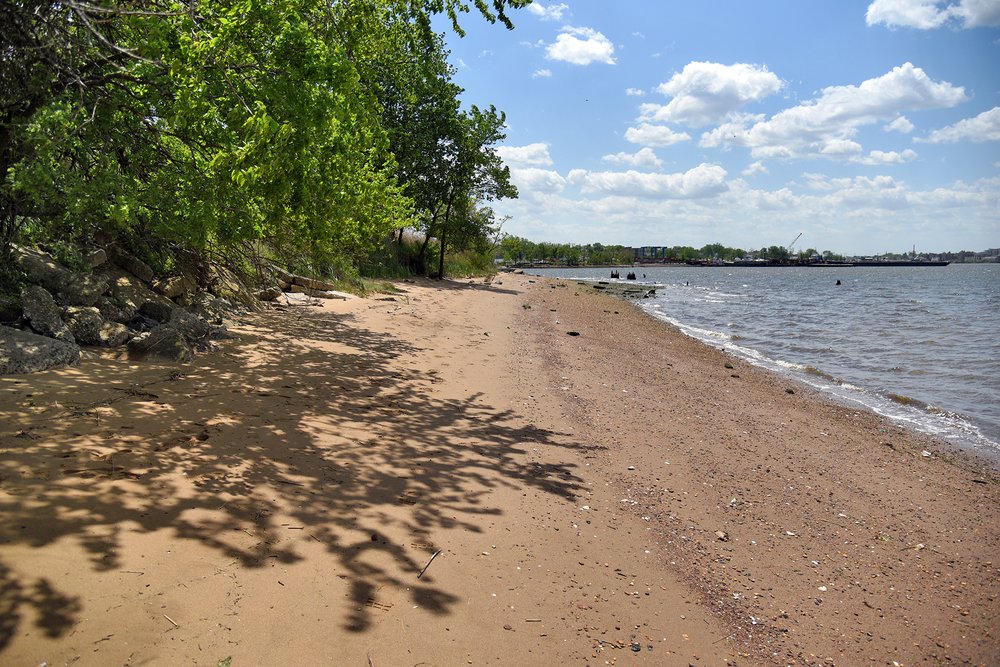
(447,476)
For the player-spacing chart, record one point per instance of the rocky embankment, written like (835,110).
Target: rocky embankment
(120,302)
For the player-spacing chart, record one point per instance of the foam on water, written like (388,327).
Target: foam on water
(914,344)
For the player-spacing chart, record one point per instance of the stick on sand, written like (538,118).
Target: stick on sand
(428,563)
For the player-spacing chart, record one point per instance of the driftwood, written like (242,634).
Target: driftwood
(428,563)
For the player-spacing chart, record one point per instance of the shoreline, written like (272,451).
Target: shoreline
(967,432)
(618,493)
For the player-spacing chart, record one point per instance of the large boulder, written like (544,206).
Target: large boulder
(43,315)
(89,328)
(95,257)
(269,294)
(71,288)
(194,329)
(24,352)
(113,309)
(161,311)
(175,286)
(165,342)
(131,263)
(225,284)
(214,309)
(130,294)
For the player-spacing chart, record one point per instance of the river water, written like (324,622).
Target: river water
(919,345)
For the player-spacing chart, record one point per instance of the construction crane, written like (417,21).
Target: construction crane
(792,244)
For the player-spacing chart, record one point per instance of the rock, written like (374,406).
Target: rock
(165,342)
(114,310)
(95,258)
(130,294)
(722,535)
(194,329)
(282,275)
(24,352)
(326,294)
(573,333)
(74,289)
(212,308)
(313,283)
(132,264)
(89,328)
(161,311)
(225,284)
(175,286)
(42,313)
(269,294)
(10,309)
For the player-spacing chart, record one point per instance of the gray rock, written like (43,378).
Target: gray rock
(212,308)
(89,328)
(75,289)
(132,264)
(131,293)
(95,258)
(114,310)
(269,294)
(193,328)
(161,311)
(42,314)
(175,286)
(24,352)
(225,284)
(165,342)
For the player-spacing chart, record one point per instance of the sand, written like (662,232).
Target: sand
(623,495)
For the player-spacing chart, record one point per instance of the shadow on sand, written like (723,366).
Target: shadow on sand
(306,419)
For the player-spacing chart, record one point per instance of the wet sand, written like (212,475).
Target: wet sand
(624,494)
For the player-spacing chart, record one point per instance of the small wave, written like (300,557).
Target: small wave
(812,370)
(905,400)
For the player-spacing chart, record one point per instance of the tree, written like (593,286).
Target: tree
(475,170)
(217,125)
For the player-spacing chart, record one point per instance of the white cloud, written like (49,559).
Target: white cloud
(655,135)
(984,127)
(704,93)
(705,180)
(883,157)
(581,46)
(979,13)
(644,158)
(532,180)
(754,169)
(541,73)
(929,14)
(849,215)
(536,154)
(548,12)
(902,125)
(827,126)
(635,92)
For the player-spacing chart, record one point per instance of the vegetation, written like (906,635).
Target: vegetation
(303,131)
(518,250)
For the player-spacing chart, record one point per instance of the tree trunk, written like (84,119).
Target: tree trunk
(444,233)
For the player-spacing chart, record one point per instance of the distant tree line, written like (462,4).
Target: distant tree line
(513,250)
(304,131)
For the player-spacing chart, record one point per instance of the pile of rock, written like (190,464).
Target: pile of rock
(295,284)
(121,302)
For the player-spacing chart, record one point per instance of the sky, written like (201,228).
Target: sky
(866,126)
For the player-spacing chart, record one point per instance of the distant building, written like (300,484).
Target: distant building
(651,252)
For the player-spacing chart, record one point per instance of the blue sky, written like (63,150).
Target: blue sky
(867,126)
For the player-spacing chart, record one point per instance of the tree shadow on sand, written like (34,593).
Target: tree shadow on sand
(322,423)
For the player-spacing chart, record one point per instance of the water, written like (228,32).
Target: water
(919,345)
